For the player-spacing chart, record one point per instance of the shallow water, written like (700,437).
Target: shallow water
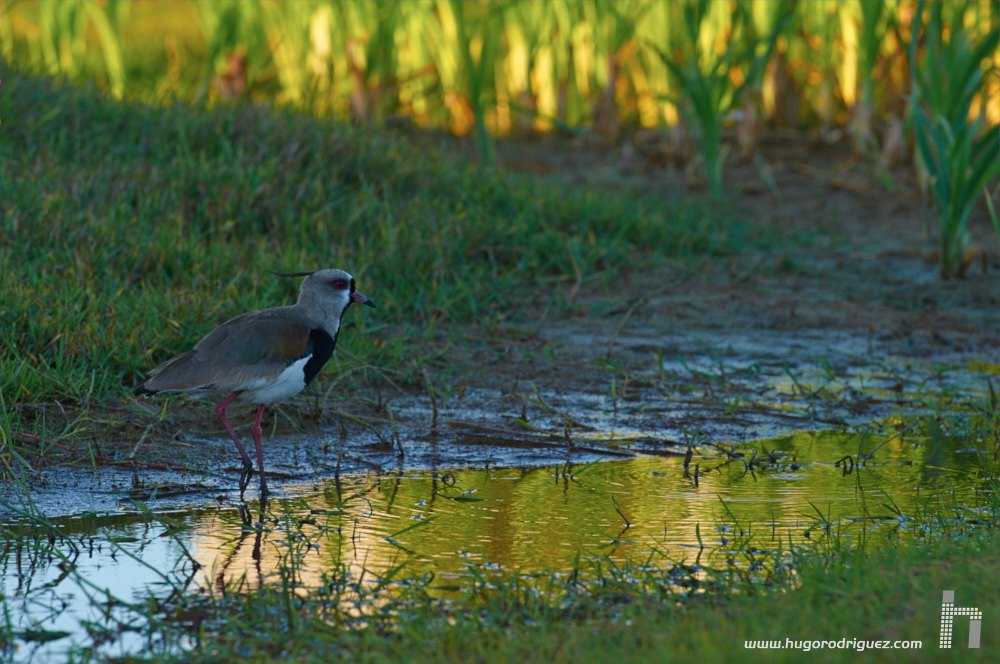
(463,521)
(812,456)
(542,519)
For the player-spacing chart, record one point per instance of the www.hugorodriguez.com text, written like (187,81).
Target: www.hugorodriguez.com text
(805,645)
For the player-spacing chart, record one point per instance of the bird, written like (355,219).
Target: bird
(262,357)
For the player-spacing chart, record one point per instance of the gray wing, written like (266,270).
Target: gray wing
(243,353)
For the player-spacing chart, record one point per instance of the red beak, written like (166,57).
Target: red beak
(358,297)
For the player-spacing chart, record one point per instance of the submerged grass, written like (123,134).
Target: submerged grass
(651,609)
(892,596)
(875,577)
(127,231)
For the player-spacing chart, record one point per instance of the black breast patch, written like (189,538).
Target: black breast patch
(321,347)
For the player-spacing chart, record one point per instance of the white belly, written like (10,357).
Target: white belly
(289,382)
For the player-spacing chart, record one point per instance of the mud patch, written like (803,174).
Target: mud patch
(691,396)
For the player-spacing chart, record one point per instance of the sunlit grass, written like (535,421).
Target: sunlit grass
(586,66)
(470,66)
(707,93)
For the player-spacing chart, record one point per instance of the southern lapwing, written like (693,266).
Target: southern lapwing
(263,357)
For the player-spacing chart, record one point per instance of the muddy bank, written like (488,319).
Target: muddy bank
(715,393)
(837,324)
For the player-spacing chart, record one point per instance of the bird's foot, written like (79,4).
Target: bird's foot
(264,492)
(246,472)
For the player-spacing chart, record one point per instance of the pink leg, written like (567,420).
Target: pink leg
(247,469)
(260,454)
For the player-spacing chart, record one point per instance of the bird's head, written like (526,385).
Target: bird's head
(332,290)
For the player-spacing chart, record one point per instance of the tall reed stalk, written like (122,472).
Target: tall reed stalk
(961,154)
(706,81)
(872,14)
(473,51)
(64,38)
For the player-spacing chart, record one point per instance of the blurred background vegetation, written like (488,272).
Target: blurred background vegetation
(910,81)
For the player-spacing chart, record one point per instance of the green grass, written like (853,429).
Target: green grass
(128,231)
(893,595)
(957,149)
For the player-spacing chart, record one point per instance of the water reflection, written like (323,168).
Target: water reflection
(789,490)
(542,519)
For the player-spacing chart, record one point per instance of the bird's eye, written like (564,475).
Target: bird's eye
(340,284)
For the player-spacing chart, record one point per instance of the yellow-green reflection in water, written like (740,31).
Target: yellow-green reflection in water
(528,520)
(766,495)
